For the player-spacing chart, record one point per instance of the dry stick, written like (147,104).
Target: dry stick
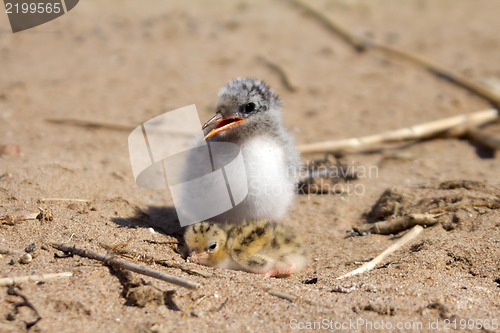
(489,141)
(458,79)
(163,262)
(458,123)
(114,127)
(361,44)
(12,290)
(63,199)
(280,294)
(221,306)
(42,215)
(115,262)
(91,124)
(11,219)
(39,277)
(192,305)
(371,264)
(285,80)
(399,224)
(358,43)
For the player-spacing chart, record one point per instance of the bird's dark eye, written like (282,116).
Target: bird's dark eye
(247,108)
(212,246)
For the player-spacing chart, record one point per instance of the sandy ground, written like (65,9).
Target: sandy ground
(124,62)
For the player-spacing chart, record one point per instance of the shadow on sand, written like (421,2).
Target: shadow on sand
(162,219)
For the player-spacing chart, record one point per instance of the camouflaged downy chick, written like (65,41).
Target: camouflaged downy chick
(262,247)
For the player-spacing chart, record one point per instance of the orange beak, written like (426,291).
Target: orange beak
(222,124)
(197,258)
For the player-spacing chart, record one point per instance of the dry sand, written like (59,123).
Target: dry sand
(124,62)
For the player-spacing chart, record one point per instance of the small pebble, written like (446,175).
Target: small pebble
(30,248)
(195,313)
(26,258)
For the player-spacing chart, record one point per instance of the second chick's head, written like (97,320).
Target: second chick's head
(206,243)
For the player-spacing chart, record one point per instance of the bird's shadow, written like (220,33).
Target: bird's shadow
(162,219)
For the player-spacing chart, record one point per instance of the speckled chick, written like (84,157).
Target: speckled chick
(262,247)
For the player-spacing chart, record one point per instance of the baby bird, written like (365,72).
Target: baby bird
(248,114)
(262,247)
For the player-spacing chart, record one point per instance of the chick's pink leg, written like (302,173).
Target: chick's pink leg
(282,272)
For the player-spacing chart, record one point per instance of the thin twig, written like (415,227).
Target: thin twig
(10,281)
(398,224)
(43,215)
(192,305)
(150,259)
(115,127)
(115,262)
(223,304)
(292,298)
(444,73)
(361,44)
(280,294)
(63,199)
(358,43)
(285,80)
(378,259)
(11,219)
(459,124)
(91,124)
(26,302)
(485,139)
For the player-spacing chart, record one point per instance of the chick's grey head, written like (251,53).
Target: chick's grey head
(245,106)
